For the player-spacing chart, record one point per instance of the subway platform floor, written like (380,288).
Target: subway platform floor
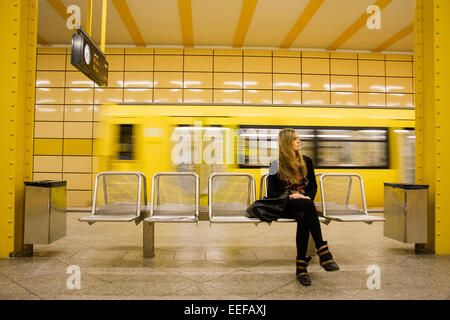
(222,261)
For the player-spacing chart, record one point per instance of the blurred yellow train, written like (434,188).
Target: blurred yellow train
(377,144)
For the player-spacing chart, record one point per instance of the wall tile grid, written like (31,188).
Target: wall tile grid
(68,103)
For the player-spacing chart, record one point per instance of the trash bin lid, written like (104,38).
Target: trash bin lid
(46,183)
(408,186)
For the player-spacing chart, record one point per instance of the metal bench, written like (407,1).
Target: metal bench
(117,197)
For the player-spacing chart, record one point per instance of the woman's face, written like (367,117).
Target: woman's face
(296,144)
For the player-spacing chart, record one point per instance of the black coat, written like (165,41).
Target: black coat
(276,186)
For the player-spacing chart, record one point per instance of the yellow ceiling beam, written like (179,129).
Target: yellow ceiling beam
(396,37)
(185,12)
(356,26)
(248,8)
(301,23)
(59,7)
(130,23)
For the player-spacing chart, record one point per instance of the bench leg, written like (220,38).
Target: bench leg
(148,240)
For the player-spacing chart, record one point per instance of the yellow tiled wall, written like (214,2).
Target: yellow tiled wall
(67,103)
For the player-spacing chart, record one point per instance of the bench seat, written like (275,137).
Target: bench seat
(173,218)
(355,218)
(108,218)
(231,219)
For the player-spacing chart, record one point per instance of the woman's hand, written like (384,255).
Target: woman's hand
(298,196)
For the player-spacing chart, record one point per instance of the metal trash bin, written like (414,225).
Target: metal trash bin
(405,210)
(45,211)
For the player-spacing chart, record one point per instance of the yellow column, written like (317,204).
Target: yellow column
(432,78)
(104,15)
(89,19)
(18,20)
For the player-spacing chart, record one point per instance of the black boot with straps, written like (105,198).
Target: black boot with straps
(301,272)
(326,258)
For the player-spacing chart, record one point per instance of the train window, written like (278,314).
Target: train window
(126,142)
(351,148)
(328,147)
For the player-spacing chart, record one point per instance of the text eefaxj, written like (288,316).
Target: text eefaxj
(232,309)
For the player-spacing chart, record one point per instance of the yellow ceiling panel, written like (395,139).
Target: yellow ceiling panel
(129,22)
(247,24)
(271,23)
(332,18)
(215,22)
(301,23)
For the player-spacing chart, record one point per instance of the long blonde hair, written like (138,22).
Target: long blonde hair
(290,161)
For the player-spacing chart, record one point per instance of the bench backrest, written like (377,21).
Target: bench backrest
(119,193)
(175,194)
(342,194)
(230,194)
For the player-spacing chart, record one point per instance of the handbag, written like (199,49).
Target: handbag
(268,209)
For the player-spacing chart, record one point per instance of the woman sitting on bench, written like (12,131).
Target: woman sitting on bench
(296,178)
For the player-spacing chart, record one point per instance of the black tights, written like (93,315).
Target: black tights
(304,211)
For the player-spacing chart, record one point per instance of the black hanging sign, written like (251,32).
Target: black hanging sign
(88,58)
